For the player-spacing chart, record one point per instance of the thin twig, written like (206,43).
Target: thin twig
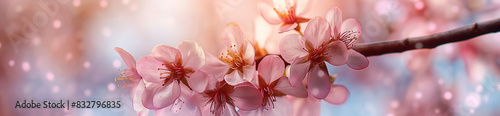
(430,41)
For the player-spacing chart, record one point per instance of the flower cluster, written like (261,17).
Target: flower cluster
(187,81)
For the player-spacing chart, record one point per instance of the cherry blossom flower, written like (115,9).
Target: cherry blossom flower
(221,99)
(307,55)
(348,32)
(273,86)
(237,65)
(285,12)
(131,78)
(167,68)
(338,94)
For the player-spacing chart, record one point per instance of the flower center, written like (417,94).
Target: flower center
(348,37)
(219,97)
(317,56)
(285,10)
(233,58)
(268,97)
(174,72)
(126,76)
(268,93)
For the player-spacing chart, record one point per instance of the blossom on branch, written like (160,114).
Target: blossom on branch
(286,13)
(167,69)
(237,65)
(347,31)
(221,99)
(131,78)
(273,87)
(307,55)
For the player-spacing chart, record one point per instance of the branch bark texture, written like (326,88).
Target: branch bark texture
(430,41)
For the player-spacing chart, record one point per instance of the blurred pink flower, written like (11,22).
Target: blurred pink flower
(307,55)
(238,64)
(338,94)
(347,32)
(273,86)
(309,106)
(220,98)
(284,13)
(167,68)
(134,80)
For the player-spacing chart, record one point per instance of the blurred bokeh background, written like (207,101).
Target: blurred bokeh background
(63,49)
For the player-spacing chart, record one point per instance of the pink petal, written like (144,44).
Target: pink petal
(144,112)
(186,93)
(338,95)
(193,56)
(255,80)
(267,12)
(179,108)
(215,67)
(306,106)
(234,78)
(304,6)
(334,17)
(351,25)
(147,67)
(337,54)
(257,112)
(166,53)
(212,82)
(318,82)
(357,60)
(317,31)
(157,96)
(246,96)
(271,68)
(137,93)
(248,52)
(249,72)
(282,107)
(298,71)
(284,86)
(198,81)
(127,58)
(227,110)
(287,27)
(199,100)
(232,35)
(205,110)
(292,47)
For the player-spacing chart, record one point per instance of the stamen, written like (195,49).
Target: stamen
(218,98)
(283,5)
(172,72)
(177,105)
(349,37)
(287,15)
(285,10)
(126,77)
(233,58)
(268,97)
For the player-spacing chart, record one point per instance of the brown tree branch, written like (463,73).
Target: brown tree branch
(430,41)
